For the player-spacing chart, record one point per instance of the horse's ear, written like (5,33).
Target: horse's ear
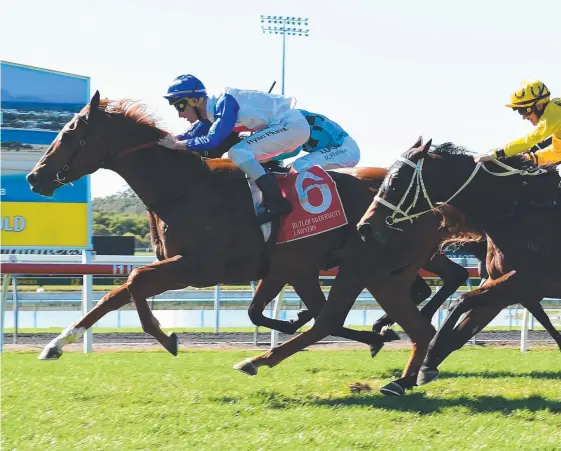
(94,103)
(418,143)
(426,147)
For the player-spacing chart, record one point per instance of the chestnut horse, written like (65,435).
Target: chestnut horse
(203,223)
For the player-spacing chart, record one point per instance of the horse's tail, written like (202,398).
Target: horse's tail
(157,243)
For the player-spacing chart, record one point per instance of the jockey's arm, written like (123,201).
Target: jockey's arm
(225,116)
(201,128)
(543,130)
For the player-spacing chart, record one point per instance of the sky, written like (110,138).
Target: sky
(386,71)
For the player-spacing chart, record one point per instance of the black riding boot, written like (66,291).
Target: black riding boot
(272,198)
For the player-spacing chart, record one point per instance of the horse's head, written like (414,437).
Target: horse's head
(414,185)
(396,190)
(90,141)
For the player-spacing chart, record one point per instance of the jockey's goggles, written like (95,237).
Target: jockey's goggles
(181,104)
(523,111)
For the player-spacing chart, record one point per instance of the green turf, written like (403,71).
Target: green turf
(491,399)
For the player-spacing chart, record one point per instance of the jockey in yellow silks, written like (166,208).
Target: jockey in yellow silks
(533,103)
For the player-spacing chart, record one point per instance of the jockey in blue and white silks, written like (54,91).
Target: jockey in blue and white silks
(329,146)
(276,126)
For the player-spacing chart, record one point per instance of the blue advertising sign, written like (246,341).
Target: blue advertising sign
(36,103)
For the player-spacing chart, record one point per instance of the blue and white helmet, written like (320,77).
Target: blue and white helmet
(186,86)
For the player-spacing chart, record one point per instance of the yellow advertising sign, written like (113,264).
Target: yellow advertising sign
(44,224)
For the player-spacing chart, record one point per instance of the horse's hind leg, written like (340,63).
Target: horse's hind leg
(343,294)
(453,276)
(266,291)
(117,298)
(312,295)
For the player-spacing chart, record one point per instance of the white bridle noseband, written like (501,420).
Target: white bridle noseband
(419,183)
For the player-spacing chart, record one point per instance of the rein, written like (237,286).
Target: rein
(418,182)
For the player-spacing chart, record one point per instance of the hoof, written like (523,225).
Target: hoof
(375,349)
(174,346)
(390,335)
(50,352)
(393,389)
(427,375)
(247,367)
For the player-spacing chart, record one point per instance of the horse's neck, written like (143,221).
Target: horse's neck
(487,198)
(158,175)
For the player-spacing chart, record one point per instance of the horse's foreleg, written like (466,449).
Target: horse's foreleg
(485,303)
(394,297)
(147,281)
(112,301)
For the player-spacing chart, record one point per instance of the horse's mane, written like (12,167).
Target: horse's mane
(131,110)
(449,149)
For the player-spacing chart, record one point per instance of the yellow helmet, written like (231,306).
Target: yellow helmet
(532,93)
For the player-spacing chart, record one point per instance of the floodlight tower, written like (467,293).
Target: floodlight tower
(283,25)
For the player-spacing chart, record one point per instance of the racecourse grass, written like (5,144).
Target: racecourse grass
(486,398)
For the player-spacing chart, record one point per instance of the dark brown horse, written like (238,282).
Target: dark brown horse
(388,274)
(203,223)
(519,213)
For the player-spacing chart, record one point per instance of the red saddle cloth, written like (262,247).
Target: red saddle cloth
(316,205)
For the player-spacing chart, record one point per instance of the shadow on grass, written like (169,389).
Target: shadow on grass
(413,402)
(550,375)
(419,403)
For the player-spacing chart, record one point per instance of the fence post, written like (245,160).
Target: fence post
(216,309)
(256,330)
(15,307)
(87,296)
(524,332)
(5,287)
(278,305)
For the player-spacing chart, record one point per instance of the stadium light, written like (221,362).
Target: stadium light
(285,25)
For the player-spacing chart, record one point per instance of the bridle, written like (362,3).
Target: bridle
(61,175)
(419,184)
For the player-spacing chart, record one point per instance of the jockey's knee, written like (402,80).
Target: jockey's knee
(301,164)
(240,154)
(353,152)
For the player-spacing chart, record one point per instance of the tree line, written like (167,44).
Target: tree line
(121,214)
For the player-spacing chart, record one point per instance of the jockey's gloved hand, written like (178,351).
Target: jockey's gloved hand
(172,143)
(531,157)
(495,154)
(530,161)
